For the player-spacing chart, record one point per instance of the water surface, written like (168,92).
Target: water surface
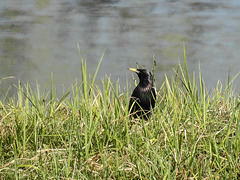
(39,38)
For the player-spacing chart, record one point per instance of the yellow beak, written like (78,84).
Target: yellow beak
(134,70)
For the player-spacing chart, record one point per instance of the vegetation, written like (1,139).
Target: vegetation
(87,134)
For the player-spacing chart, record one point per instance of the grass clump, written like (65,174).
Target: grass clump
(87,134)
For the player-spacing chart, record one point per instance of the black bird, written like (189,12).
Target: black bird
(144,95)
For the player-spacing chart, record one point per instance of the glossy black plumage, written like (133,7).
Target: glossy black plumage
(143,96)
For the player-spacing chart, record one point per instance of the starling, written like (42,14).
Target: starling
(143,96)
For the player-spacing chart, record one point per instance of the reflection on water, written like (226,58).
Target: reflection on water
(39,37)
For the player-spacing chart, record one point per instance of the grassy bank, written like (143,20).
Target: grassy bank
(87,133)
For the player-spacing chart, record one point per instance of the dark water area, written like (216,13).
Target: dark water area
(39,38)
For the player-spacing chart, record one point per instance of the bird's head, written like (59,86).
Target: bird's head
(144,75)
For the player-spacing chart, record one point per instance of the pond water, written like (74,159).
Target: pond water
(39,38)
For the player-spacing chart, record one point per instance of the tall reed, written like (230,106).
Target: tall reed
(88,134)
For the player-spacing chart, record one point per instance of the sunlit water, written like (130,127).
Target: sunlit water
(39,38)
